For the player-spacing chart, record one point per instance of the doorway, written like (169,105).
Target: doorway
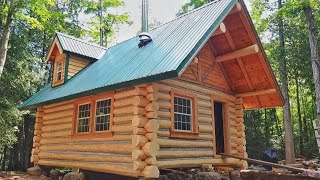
(219,127)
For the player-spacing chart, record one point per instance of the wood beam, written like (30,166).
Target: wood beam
(195,61)
(205,75)
(220,30)
(256,93)
(236,8)
(253,49)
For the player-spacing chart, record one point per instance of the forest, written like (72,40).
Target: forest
(288,30)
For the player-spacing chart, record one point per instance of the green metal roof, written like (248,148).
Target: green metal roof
(174,46)
(72,45)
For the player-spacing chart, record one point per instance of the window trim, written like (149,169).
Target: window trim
(60,59)
(194,134)
(92,100)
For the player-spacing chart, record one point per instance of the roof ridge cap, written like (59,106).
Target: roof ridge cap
(81,40)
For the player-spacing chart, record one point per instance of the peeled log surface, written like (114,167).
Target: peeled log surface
(153,96)
(37,132)
(238,120)
(36,144)
(164,124)
(152,115)
(220,30)
(152,88)
(125,118)
(122,128)
(69,140)
(38,126)
(56,105)
(183,154)
(56,134)
(36,138)
(47,128)
(139,121)
(200,89)
(233,151)
(241,148)
(164,96)
(152,125)
(205,119)
(233,131)
(138,140)
(164,105)
(163,133)
(35,151)
(65,120)
(85,157)
(239,114)
(204,104)
(138,154)
(241,134)
(39,120)
(240,127)
(205,129)
(238,53)
(204,111)
(133,92)
(56,115)
(183,144)
(150,172)
(164,114)
(197,163)
(164,88)
(154,106)
(106,168)
(59,108)
(151,149)
(139,165)
(151,160)
(139,131)
(132,109)
(107,148)
(241,141)
(151,136)
(239,101)
(135,100)
(34,158)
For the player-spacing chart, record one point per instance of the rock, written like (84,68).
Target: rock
(235,175)
(73,176)
(34,171)
(208,176)
(163,177)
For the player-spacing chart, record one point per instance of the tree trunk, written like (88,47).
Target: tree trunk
(4,159)
(299,115)
(314,55)
(289,146)
(266,125)
(6,35)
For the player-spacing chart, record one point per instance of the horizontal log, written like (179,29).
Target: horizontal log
(133,92)
(151,149)
(164,105)
(59,108)
(253,49)
(106,168)
(164,88)
(183,144)
(139,165)
(153,106)
(65,120)
(205,129)
(57,115)
(239,114)
(152,125)
(239,101)
(38,126)
(36,138)
(241,134)
(85,157)
(120,118)
(197,163)
(237,8)
(138,154)
(138,140)
(39,120)
(164,114)
(238,120)
(152,115)
(183,154)
(35,151)
(164,96)
(220,30)
(56,134)
(39,114)
(163,133)
(233,151)
(204,104)
(204,111)
(153,96)
(134,100)
(107,148)
(34,158)
(37,132)
(152,88)
(98,139)
(241,148)
(151,160)
(48,128)
(239,106)
(205,119)
(122,128)
(139,131)
(150,172)
(204,97)
(151,136)
(240,127)
(130,110)
(256,93)
(36,144)
(164,124)
(57,104)
(139,121)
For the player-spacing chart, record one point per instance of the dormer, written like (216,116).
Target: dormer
(69,56)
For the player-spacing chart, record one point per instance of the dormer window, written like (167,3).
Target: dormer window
(59,71)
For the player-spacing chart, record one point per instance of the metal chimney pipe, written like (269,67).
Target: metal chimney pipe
(144,17)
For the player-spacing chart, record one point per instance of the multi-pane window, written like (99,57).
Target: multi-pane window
(102,117)
(59,71)
(83,118)
(182,114)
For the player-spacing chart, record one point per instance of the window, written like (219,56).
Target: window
(93,115)
(184,120)
(83,118)
(182,114)
(102,120)
(59,71)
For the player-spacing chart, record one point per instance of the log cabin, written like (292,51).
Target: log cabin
(176,100)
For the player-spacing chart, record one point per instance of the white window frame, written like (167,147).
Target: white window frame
(59,71)
(95,115)
(191,114)
(77,128)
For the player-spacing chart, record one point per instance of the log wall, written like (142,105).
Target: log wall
(185,152)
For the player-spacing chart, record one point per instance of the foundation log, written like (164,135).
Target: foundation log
(150,172)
